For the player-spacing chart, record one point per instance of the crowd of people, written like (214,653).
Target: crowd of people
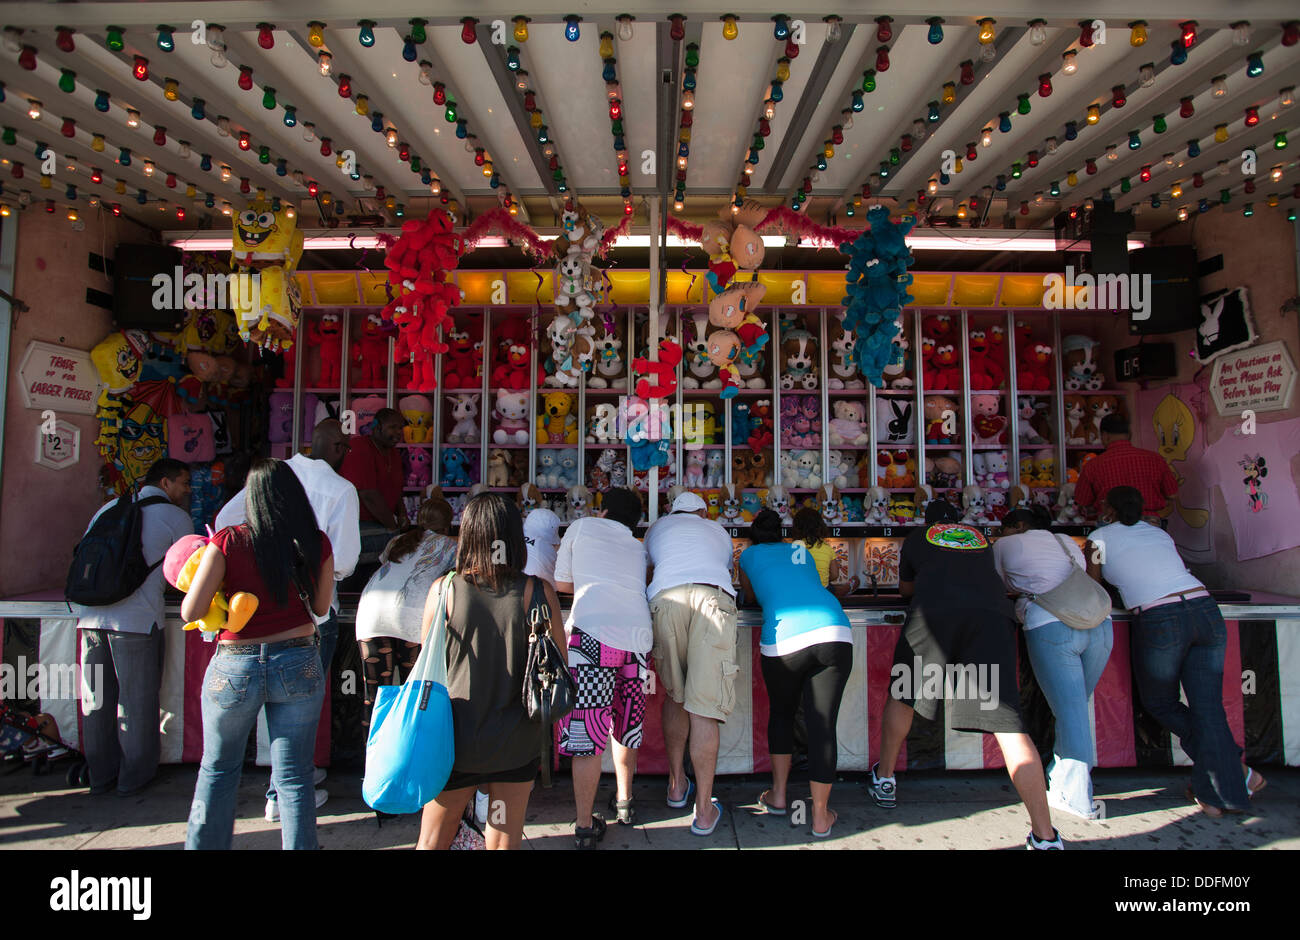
(299,526)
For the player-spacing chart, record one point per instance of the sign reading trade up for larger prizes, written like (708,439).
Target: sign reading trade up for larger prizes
(58,378)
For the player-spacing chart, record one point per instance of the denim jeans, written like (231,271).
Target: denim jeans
(329,641)
(289,682)
(1184,643)
(1067,664)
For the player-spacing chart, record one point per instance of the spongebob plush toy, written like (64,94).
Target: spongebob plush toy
(268,244)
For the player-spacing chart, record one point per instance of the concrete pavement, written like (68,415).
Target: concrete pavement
(976,810)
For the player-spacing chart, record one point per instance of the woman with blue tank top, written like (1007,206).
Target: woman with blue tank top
(807,654)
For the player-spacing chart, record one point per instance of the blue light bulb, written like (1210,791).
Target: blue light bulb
(1155,202)
(609,74)
(1004,122)
(461,130)
(780,28)
(1071,130)
(205,162)
(124,157)
(281,168)
(1255,65)
(290,116)
(209,201)
(944,179)
(141,197)
(777,93)
(1002,182)
(367,35)
(197,110)
(377,121)
(101,102)
(512,59)
(857,101)
(408,50)
(936,31)
(1134,141)
(165,41)
(571,32)
(1193,148)
(1179,55)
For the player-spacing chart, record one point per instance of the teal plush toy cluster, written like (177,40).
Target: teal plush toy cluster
(877,281)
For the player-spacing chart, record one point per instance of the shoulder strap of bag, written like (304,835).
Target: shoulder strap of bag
(1057,538)
(432,662)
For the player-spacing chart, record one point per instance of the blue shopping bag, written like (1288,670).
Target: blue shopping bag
(411,748)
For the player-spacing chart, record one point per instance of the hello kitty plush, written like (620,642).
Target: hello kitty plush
(995,504)
(511,411)
(849,426)
(877,506)
(464,411)
(979,468)
(997,466)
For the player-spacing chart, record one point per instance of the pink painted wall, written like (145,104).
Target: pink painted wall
(1259,253)
(43,512)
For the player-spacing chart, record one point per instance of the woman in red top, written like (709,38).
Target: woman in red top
(286,562)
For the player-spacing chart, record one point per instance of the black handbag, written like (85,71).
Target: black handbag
(549,690)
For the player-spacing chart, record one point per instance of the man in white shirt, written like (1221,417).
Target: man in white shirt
(693,607)
(601,563)
(124,643)
(338,514)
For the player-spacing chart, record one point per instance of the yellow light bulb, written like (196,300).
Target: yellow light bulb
(933,187)
(1137,34)
(225,208)
(1220,133)
(606,46)
(487,169)
(1175,191)
(97,143)
(45,182)
(829,150)
(171,91)
(986,31)
(521,31)
(685,135)
(190,191)
(956,166)
(1272,201)
(363,105)
(857,200)
(120,187)
(783,69)
(1072,178)
(961,211)
(535,120)
(730,30)
(949,92)
(1094,113)
(316,34)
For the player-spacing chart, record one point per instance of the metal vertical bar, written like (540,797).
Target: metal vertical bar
(483,396)
(1013,402)
(652,335)
(825,397)
(8,261)
(918,408)
(297,385)
(436,454)
(533,362)
(967,430)
(1058,384)
(345,362)
(680,401)
(776,401)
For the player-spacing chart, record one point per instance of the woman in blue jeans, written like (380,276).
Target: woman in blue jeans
(280,557)
(1067,662)
(1179,639)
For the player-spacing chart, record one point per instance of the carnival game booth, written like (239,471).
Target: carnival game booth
(732,252)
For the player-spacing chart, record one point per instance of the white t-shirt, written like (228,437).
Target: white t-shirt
(1142,561)
(542,535)
(1031,564)
(392,603)
(686,549)
(606,565)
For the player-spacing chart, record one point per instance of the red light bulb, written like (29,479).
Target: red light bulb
(1145,175)
(1290,33)
(64,40)
(244,187)
(96,176)
(171,180)
(554,163)
(180,214)
(27,58)
(967,72)
(1198,180)
(478,156)
(1090,165)
(141,69)
(627,208)
(678,30)
(245,78)
(970,152)
(69,128)
(688,118)
(1024,208)
(265,35)
(681,176)
(345,86)
(882,59)
(325,148)
(1185,108)
(764,127)
(530,101)
(1252,116)
(1045,85)
(1085,33)
(866,190)
(883,31)
(312,189)
(837,135)
(467,34)
(1249,187)
(791,49)
(615,110)
(1117,98)
(440,94)
(1189,33)
(403,152)
(1032,159)
(160,136)
(244,141)
(380,192)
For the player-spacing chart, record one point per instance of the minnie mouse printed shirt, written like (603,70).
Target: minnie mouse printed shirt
(1254,473)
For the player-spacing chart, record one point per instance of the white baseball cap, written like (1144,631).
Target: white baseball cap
(688,502)
(542,524)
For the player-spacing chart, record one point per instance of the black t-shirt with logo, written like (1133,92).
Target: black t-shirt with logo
(952,566)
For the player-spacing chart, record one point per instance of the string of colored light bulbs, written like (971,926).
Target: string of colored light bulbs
(536,118)
(614,92)
(125,158)
(1242,32)
(774,95)
(691,62)
(884,34)
(171,91)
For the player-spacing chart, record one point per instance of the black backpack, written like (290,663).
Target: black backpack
(108,563)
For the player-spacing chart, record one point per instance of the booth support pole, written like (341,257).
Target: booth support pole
(660,226)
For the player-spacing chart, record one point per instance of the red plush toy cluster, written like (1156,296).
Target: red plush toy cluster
(418,263)
(985,370)
(462,366)
(511,362)
(663,372)
(370,352)
(1033,361)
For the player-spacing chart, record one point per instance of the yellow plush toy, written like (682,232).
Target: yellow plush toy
(557,424)
(266,249)
(179,565)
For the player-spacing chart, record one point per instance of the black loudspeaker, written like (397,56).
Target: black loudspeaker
(1175,302)
(139,303)
(1109,231)
(1145,361)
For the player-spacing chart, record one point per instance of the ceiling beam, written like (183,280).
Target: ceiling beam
(496,59)
(813,92)
(668,58)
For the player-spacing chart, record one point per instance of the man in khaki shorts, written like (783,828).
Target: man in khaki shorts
(693,607)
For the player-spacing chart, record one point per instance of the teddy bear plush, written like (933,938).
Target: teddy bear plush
(500,467)
(557,424)
(849,426)
(988,425)
(806,468)
(839,469)
(658,379)
(548,469)
(511,411)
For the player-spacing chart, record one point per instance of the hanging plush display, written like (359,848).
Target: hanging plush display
(578,288)
(733,245)
(419,262)
(877,291)
(268,244)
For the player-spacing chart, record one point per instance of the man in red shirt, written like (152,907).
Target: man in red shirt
(1122,464)
(374,467)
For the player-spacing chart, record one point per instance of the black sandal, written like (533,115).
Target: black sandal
(588,837)
(624,808)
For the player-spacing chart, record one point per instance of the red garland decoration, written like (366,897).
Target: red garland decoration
(501,222)
(685,230)
(787,221)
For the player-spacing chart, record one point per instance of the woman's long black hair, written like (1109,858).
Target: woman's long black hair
(285,536)
(491,551)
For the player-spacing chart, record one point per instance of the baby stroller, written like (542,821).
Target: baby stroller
(34,739)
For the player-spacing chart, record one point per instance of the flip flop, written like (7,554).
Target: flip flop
(697,830)
(1254,781)
(768,807)
(823,835)
(685,800)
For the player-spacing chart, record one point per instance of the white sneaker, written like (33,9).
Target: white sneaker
(1032,842)
(273,806)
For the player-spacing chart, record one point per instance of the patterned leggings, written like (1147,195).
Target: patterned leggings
(379,657)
